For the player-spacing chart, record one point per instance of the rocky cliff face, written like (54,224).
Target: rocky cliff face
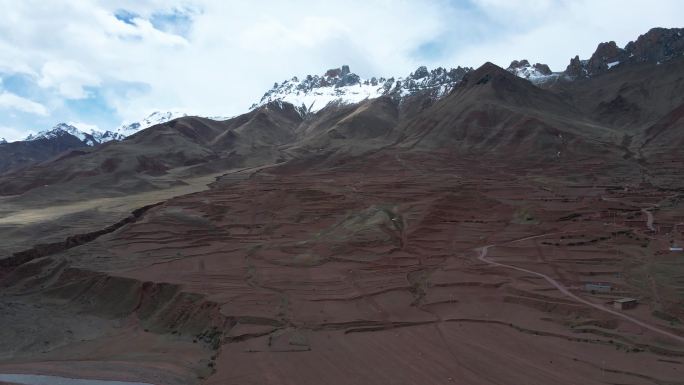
(536,73)
(658,45)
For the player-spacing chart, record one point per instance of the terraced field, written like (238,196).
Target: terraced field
(366,272)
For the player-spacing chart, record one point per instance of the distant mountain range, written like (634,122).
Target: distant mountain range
(93,137)
(350,226)
(339,87)
(88,137)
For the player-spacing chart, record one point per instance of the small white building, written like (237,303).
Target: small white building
(625,303)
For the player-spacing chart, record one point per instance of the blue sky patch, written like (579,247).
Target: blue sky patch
(126,16)
(177,21)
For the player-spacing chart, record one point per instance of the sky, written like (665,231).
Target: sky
(97,63)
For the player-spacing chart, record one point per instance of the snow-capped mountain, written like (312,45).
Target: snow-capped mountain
(90,137)
(340,85)
(537,73)
(3,141)
(156,117)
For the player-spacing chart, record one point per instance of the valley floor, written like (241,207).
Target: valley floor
(401,268)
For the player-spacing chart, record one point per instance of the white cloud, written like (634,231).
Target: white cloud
(519,11)
(231,52)
(14,102)
(85,127)
(308,32)
(12,134)
(552,32)
(68,77)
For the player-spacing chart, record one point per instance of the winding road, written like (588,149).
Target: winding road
(482,256)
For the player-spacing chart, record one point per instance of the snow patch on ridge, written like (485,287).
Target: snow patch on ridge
(537,73)
(90,137)
(612,64)
(154,118)
(341,86)
(316,99)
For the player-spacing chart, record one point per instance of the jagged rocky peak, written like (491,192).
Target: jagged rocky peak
(576,68)
(58,130)
(423,78)
(606,56)
(341,85)
(655,46)
(342,77)
(535,73)
(658,45)
(420,73)
(438,82)
(524,64)
(313,92)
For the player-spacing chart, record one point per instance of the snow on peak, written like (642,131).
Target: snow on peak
(156,117)
(537,73)
(3,141)
(60,129)
(90,137)
(339,85)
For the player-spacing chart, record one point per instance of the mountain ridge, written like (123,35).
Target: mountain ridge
(339,89)
(421,236)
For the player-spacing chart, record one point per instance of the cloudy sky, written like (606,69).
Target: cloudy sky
(100,63)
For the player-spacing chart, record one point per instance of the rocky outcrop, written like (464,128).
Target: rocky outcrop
(576,68)
(537,73)
(605,57)
(656,46)
(422,79)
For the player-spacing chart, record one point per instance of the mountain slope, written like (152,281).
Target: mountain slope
(349,130)
(164,149)
(495,113)
(665,138)
(16,155)
(418,237)
(629,98)
(489,112)
(154,118)
(50,143)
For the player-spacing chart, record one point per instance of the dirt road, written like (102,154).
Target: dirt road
(483,257)
(35,379)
